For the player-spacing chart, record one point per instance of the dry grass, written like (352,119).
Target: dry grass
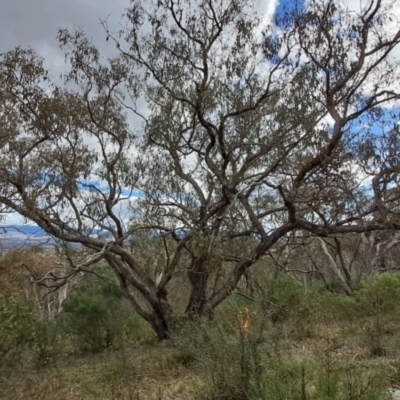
(145,369)
(155,371)
(137,373)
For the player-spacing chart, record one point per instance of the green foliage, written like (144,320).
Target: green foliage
(227,361)
(135,329)
(300,307)
(17,326)
(286,297)
(94,318)
(324,379)
(255,364)
(48,344)
(230,355)
(380,294)
(379,302)
(244,366)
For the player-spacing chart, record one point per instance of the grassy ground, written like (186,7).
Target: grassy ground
(141,373)
(156,372)
(322,361)
(291,343)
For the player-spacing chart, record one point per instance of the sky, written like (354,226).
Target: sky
(34,23)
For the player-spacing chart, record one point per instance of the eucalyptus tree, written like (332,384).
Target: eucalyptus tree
(250,129)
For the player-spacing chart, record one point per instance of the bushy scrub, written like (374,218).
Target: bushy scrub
(298,310)
(135,328)
(49,344)
(230,351)
(379,304)
(244,366)
(94,318)
(320,379)
(285,298)
(380,294)
(17,328)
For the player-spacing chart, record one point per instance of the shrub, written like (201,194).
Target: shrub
(135,328)
(48,345)
(379,303)
(230,355)
(286,298)
(242,368)
(320,379)
(17,326)
(94,318)
(380,294)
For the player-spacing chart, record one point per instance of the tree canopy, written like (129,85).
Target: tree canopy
(213,134)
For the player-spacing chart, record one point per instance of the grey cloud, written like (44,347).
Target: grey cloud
(34,23)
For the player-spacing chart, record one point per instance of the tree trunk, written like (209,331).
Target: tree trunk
(345,270)
(198,276)
(154,308)
(160,317)
(157,313)
(153,305)
(160,325)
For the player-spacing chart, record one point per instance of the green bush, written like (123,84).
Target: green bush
(231,357)
(284,298)
(23,335)
(380,294)
(94,317)
(320,379)
(48,344)
(17,327)
(379,303)
(135,328)
(244,367)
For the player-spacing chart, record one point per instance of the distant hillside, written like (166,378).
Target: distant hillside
(17,236)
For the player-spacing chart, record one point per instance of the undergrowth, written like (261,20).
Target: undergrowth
(284,341)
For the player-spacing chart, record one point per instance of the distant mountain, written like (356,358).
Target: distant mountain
(18,236)
(28,229)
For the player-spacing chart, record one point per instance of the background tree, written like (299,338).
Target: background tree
(251,131)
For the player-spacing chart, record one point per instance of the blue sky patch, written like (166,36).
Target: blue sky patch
(286,7)
(289,6)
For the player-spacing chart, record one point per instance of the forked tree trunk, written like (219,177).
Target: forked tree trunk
(157,314)
(160,316)
(160,325)
(153,307)
(198,275)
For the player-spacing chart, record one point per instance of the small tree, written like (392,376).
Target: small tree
(250,131)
